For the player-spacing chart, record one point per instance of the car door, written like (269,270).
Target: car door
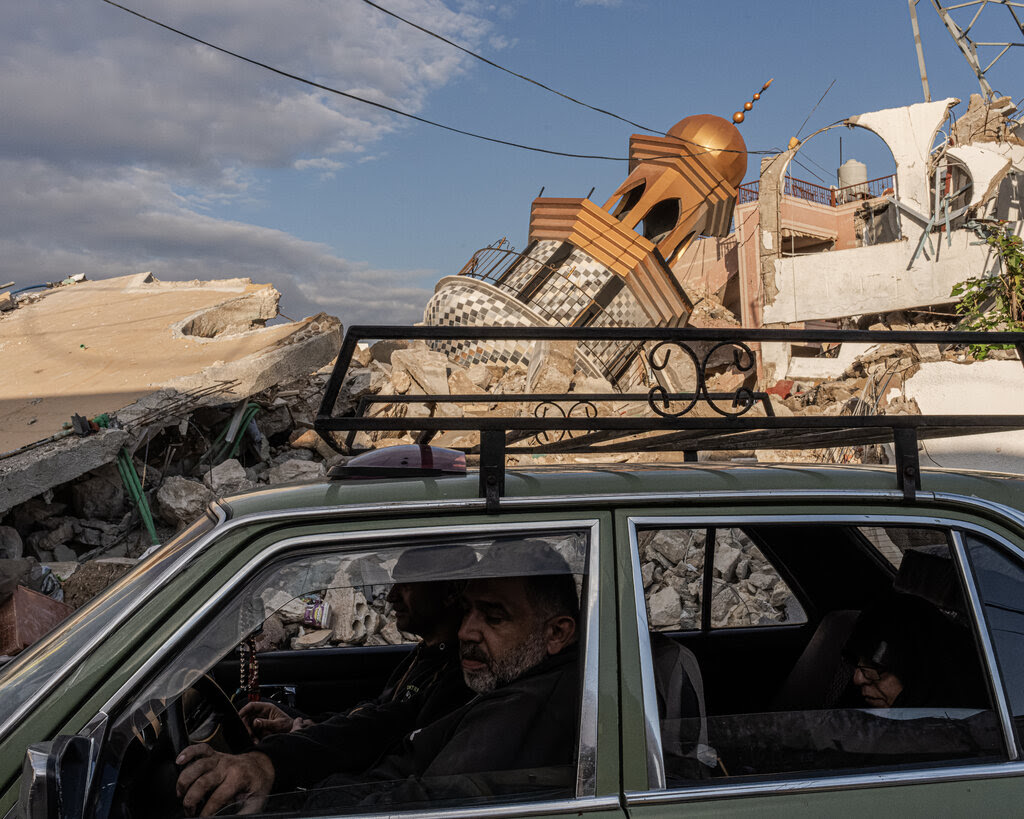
(285,564)
(773,720)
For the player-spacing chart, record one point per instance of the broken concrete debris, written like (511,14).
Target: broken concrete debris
(203,396)
(153,415)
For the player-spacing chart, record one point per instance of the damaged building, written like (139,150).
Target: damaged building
(683,242)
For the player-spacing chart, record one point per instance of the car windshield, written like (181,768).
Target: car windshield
(34,667)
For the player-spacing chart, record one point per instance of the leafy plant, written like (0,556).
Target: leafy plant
(994,302)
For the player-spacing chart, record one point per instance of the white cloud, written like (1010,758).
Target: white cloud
(59,224)
(118,135)
(327,167)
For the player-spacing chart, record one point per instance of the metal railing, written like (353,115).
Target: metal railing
(831,197)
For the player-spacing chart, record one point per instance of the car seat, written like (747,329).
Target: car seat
(684,724)
(821,674)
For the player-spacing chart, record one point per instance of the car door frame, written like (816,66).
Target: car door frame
(644,790)
(597,771)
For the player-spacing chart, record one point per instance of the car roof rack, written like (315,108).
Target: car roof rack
(655,420)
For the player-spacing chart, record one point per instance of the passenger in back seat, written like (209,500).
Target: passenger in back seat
(908,654)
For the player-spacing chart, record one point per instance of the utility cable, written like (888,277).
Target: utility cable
(815,108)
(347,95)
(509,71)
(400,112)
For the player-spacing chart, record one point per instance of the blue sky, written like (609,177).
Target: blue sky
(126,148)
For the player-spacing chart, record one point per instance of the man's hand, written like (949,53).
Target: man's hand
(263,718)
(210,780)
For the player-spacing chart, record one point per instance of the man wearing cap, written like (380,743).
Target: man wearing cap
(295,752)
(519,654)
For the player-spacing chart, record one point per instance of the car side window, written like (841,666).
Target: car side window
(889,676)
(743,589)
(1000,580)
(496,720)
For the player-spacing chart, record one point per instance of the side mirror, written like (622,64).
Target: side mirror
(55,779)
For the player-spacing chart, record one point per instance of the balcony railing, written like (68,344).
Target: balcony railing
(830,197)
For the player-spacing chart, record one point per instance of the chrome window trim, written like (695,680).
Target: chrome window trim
(586,766)
(982,632)
(975,503)
(953,525)
(652,728)
(587,751)
(825,784)
(589,804)
(226,524)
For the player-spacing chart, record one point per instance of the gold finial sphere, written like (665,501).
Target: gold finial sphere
(738,117)
(757,96)
(747,106)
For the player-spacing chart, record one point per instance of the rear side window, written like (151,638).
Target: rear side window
(1000,580)
(890,676)
(739,589)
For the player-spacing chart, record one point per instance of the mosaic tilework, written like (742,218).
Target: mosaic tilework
(563,297)
(622,311)
(477,305)
(519,277)
(559,301)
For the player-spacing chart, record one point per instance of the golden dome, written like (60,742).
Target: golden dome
(717,142)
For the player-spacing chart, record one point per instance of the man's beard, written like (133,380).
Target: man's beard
(503,669)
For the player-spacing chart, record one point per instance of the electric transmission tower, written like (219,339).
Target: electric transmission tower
(961,19)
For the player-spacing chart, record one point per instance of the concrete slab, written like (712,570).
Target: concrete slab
(875,279)
(99,346)
(979,388)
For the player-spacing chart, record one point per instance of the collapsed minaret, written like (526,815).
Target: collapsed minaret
(590,266)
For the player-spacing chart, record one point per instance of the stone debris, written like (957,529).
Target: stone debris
(181,500)
(84,533)
(746,590)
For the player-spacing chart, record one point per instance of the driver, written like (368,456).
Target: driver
(296,752)
(519,654)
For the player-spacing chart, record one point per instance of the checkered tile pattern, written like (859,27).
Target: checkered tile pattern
(623,311)
(522,274)
(569,292)
(561,300)
(477,304)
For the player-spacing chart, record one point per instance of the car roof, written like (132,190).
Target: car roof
(626,482)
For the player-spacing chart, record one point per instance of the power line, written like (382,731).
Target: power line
(809,170)
(815,108)
(507,70)
(400,112)
(356,98)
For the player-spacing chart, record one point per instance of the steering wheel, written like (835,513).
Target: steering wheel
(204,714)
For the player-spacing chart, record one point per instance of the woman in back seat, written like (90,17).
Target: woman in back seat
(908,654)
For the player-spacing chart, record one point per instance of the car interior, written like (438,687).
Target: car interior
(781,698)
(762,697)
(197,698)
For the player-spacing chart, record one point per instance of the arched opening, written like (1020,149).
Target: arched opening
(628,201)
(659,221)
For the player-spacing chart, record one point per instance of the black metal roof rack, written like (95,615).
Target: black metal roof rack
(664,422)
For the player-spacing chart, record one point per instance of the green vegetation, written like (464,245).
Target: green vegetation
(994,302)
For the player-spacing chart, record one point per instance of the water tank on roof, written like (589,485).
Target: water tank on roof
(853,178)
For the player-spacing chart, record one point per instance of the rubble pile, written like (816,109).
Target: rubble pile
(338,615)
(747,590)
(72,540)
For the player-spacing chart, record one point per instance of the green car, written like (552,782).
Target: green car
(791,640)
